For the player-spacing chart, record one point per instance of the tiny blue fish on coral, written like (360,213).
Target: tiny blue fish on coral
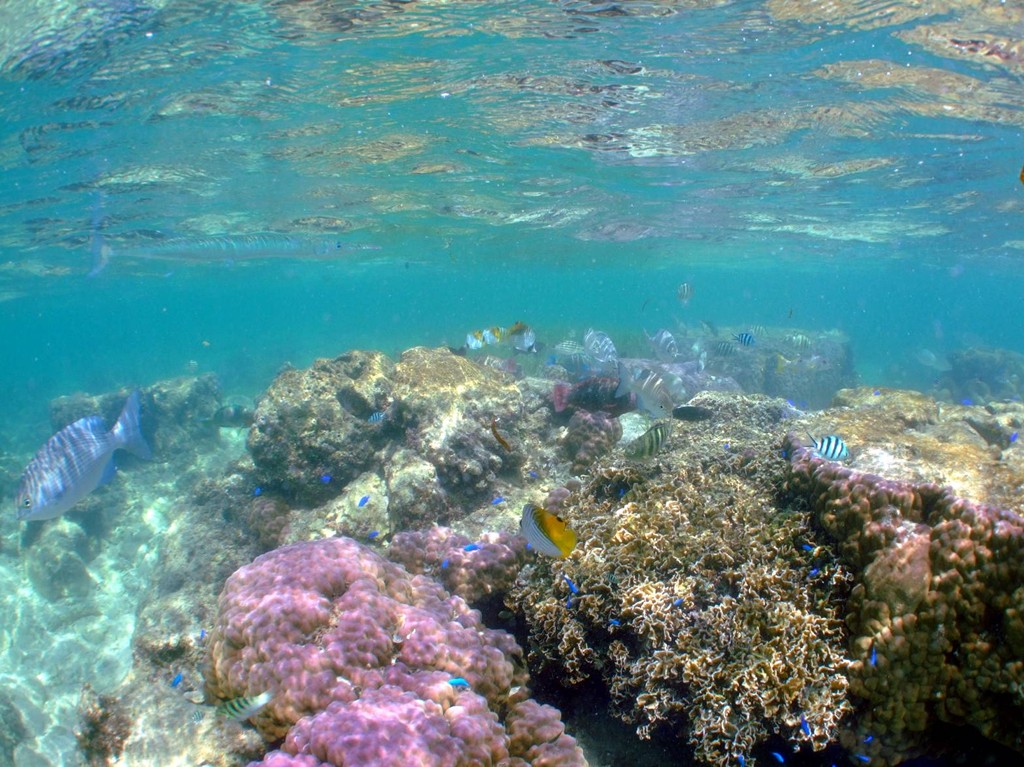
(778,757)
(458,681)
(614,622)
(177,679)
(471,547)
(805,726)
(862,758)
(444,564)
(497,500)
(1013,437)
(373,534)
(874,657)
(257,491)
(572,586)
(363,501)
(325,478)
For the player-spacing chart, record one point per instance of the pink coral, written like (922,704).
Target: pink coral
(360,654)
(471,569)
(589,436)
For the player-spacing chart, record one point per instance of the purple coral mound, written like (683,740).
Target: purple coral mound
(589,436)
(471,569)
(937,616)
(359,655)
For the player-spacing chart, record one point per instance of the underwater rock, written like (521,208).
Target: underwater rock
(352,643)
(105,726)
(56,561)
(12,728)
(448,405)
(415,497)
(343,515)
(311,434)
(980,376)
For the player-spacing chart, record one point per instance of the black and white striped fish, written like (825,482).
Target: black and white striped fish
(830,447)
(600,346)
(650,442)
(243,708)
(664,345)
(650,389)
(746,338)
(75,461)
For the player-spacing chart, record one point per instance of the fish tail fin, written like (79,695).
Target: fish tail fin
(128,430)
(101,253)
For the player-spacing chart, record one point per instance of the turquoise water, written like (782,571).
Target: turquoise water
(564,164)
(567,164)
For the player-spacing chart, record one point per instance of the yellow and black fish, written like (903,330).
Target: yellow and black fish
(546,533)
(650,442)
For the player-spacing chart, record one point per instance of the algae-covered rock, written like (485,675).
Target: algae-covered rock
(311,434)
(56,561)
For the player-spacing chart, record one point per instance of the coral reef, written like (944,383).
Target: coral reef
(936,616)
(692,599)
(472,570)
(589,436)
(349,643)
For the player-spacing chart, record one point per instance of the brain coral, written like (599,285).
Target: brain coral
(697,603)
(359,654)
(937,617)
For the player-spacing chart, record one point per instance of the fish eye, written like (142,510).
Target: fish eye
(26,503)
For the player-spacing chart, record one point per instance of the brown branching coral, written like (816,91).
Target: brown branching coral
(696,602)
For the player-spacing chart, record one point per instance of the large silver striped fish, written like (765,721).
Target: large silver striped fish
(75,461)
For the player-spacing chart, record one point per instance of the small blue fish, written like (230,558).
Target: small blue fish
(325,478)
(806,547)
(496,501)
(778,757)
(373,534)
(740,758)
(863,758)
(572,586)
(746,338)
(257,491)
(568,602)
(622,491)
(177,679)
(377,416)
(444,564)
(868,738)
(202,635)
(614,622)
(805,726)
(814,571)
(362,501)
(1013,437)
(677,602)
(874,656)
(458,681)
(471,547)
(532,474)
